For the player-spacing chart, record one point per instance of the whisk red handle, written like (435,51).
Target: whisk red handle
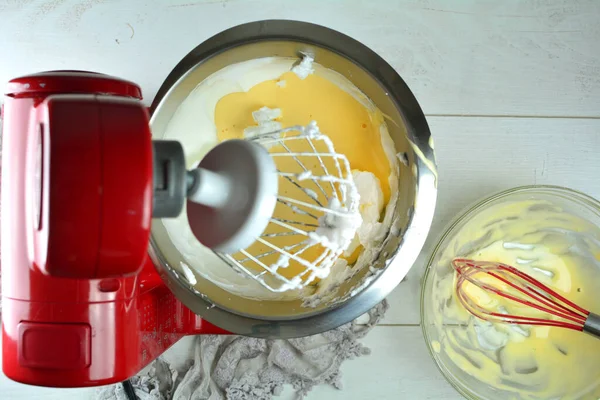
(592,325)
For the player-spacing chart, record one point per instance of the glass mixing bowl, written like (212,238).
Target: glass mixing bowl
(451,245)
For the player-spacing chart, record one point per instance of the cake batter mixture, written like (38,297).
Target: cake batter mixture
(281,92)
(559,249)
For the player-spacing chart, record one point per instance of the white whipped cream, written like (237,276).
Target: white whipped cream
(265,119)
(266,114)
(336,230)
(370,206)
(305,67)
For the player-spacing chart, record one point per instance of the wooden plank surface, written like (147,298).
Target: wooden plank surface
(468,57)
(467,61)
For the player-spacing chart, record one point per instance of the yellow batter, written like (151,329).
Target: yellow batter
(557,248)
(353,129)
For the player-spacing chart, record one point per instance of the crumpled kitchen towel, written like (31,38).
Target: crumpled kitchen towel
(244,368)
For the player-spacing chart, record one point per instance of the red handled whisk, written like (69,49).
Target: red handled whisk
(528,291)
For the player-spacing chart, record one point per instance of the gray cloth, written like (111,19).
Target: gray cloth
(243,368)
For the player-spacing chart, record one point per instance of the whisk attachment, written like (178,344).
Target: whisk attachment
(544,306)
(280,207)
(316,215)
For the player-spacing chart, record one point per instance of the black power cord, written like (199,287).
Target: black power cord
(129,391)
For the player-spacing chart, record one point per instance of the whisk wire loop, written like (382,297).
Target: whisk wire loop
(526,291)
(316,216)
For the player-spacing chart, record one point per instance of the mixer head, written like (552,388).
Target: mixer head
(231,195)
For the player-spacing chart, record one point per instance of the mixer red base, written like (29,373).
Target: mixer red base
(96,343)
(82,304)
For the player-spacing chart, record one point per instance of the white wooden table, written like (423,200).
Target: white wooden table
(511,90)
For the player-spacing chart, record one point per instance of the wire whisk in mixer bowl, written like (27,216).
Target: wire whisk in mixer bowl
(305,209)
(480,283)
(316,216)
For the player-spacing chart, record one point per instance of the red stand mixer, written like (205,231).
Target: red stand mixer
(82,304)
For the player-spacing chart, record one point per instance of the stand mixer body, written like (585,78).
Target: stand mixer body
(82,303)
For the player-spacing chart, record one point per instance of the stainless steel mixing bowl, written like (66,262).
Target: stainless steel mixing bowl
(417,180)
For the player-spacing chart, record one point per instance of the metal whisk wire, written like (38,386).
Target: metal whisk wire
(324,190)
(527,291)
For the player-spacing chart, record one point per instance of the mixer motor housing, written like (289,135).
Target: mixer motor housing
(82,303)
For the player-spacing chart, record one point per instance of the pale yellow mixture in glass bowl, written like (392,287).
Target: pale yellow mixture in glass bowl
(551,233)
